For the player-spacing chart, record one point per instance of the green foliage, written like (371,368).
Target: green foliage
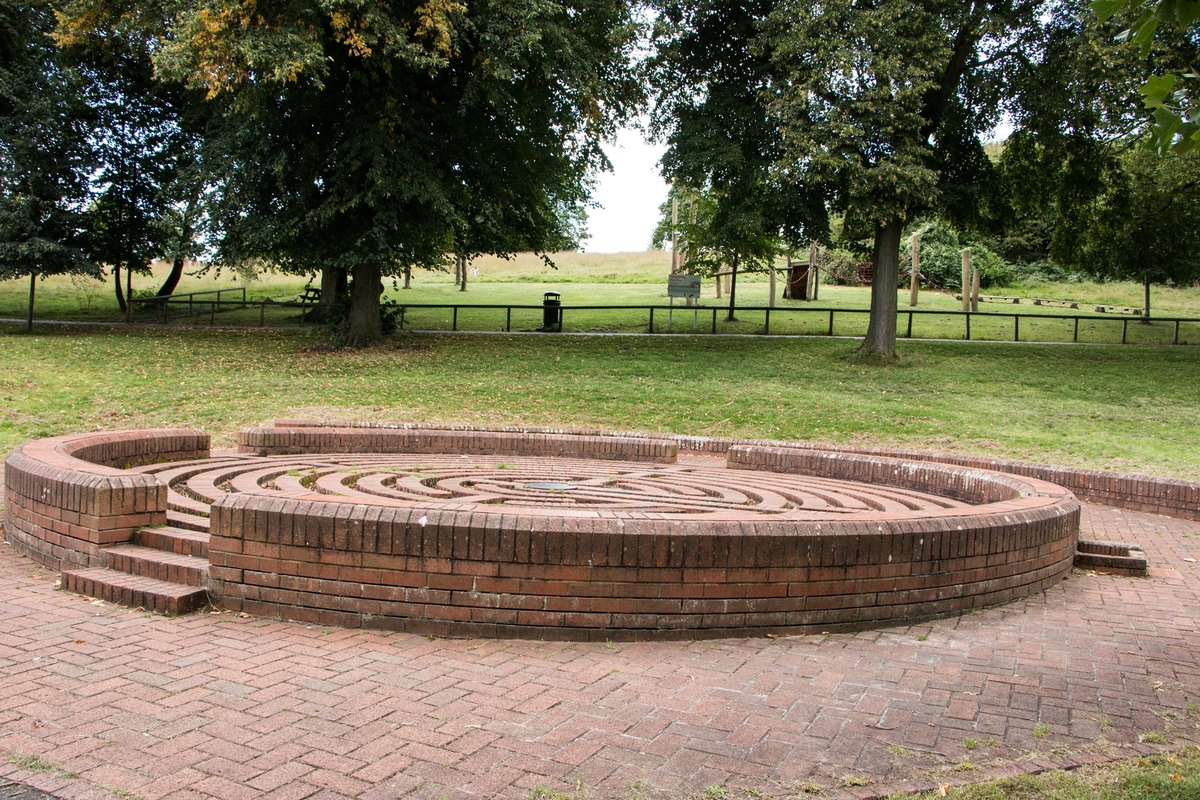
(144,134)
(43,152)
(941,257)
(881,108)
(394,137)
(709,76)
(1146,225)
(1170,96)
(1066,169)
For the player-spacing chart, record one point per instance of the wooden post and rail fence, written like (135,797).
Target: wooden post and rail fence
(196,306)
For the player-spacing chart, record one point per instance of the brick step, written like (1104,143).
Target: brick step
(191,522)
(135,591)
(174,540)
(146,562)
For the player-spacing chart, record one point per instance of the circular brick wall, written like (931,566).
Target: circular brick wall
(483,533)
(558,535)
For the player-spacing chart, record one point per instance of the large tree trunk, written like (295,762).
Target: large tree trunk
(333,286)
(732,288)
(117,286)
(881,331)
(363,325)
(128,293)
(168,287)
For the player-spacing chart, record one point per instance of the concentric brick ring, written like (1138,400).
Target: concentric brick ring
(543,486)
(457,532)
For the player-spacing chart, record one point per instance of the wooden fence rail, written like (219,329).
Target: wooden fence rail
(198,304)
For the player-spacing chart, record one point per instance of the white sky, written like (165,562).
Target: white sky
(629,197)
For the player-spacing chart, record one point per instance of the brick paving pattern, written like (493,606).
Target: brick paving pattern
(218,705)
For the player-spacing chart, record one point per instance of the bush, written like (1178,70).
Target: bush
(941,259)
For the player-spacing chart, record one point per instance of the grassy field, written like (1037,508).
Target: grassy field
(1129,409)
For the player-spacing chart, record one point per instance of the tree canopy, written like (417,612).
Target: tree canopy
(377,138)
(710,77)
(883,105)
(43,150)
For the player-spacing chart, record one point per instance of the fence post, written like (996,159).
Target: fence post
(910,316)
(767,324)
(1016,327)
(1124,329)
(966,282)
(968,314)
(262,313)
(454,320)
(914,283)
(714,327)
(508,320)
(1075,338)
(651,319)
(1176,333)
(830,322)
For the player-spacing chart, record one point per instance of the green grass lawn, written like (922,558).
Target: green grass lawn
(1172,776)
(1129,409)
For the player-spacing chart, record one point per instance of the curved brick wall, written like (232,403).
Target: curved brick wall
(477,571)
(1173,497)
(351,439)
(66,498)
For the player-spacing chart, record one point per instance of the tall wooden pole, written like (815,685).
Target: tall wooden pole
(975,276)
(771,284)
(966,280)
(914,285)
(674,232)
(32,286)
(814,256)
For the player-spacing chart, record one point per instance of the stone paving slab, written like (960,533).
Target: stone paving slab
(225,706)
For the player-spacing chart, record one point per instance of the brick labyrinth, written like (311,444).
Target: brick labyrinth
(531,533)
(549,486)
(103,702)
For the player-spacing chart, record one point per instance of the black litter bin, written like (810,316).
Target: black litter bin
(552,311)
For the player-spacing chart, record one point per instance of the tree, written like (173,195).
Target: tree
(43,154)
(1145,226)
(1170,95)
(144,139)
(882,105)
(1075,108)
(710,76)
(365,139)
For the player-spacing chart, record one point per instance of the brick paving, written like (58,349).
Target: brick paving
(219,705)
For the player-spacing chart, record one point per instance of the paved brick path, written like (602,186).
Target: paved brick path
(216,705)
